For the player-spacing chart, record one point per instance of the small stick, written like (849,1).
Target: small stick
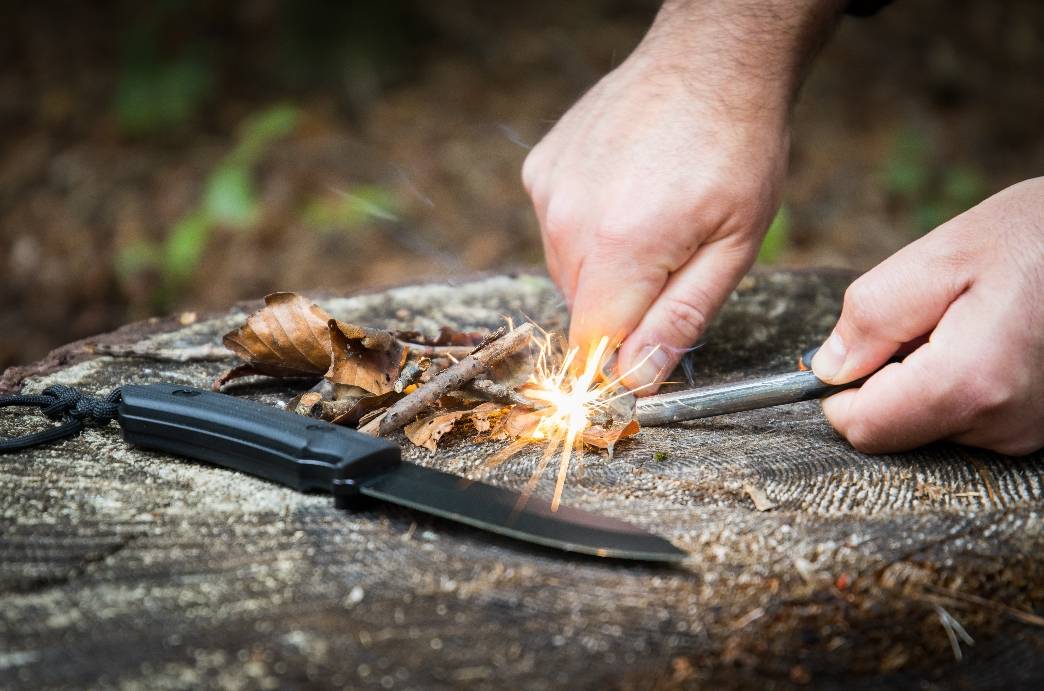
(411,373)
(497,393)
(454,377)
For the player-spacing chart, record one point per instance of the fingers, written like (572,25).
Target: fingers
(614,288)
(903,406)
(958,386)
(681,312)
(900,300)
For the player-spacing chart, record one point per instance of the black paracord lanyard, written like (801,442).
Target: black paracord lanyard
(59,402)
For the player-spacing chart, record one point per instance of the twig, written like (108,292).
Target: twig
(490,390)
(454,377)
(411,373)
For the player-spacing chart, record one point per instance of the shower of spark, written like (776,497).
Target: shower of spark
(571,396)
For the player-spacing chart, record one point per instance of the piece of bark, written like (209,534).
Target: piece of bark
(454,377)
(758,496)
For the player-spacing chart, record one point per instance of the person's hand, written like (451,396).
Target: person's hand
(975,287)
(654,191)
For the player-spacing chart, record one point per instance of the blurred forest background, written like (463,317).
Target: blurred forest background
(181,154)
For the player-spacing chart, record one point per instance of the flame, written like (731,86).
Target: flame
(571,395)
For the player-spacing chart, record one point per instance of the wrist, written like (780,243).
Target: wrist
(747,56)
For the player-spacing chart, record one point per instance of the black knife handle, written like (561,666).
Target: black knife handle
(293,450)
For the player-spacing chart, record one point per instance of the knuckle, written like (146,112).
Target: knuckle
(858,308)
(563,218)
(615,235)
(987,395)
(531,170)
(686,317)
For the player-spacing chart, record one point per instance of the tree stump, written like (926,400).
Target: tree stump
(120,567)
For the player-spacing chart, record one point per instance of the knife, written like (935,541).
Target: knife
(313,455)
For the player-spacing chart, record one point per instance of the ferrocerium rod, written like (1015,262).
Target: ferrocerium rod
(663,409)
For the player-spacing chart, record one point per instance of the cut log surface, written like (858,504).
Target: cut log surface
(132,569)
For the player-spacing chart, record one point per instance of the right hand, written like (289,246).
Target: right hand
(653,194)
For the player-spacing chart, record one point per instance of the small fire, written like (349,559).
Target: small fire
(571,396)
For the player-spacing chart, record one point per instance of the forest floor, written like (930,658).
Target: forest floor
(151,164)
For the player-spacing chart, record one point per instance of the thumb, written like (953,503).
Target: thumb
(900,300)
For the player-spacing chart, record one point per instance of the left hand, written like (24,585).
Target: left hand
(975,287)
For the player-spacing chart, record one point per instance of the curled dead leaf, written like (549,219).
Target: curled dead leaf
(518,423)
(287,337)
(606,437)
(484,416)
(427,432)
(367,358)
(291,337)
(355,415)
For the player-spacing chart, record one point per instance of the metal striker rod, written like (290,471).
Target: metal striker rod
(776,390)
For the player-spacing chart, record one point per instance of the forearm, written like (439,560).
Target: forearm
(747,55)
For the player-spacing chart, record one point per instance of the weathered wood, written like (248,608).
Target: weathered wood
(127,568)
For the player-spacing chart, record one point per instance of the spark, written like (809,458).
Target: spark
(571,396)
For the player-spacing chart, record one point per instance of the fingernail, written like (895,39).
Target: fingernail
(650,365)
(829,359)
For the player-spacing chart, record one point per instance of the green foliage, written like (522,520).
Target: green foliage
(351,210)
(924,187)
(776,239)
(229,198)
(160,87)
(906,172)
(660,456)
(260,130)
(152,97)
(183,247)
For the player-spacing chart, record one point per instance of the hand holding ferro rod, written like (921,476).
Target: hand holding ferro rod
(779,389)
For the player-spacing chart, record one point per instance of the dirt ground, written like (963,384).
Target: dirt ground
(404,134)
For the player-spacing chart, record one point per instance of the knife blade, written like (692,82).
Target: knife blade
(313,455)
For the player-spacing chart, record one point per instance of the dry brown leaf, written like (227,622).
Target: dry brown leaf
(483,416)
(290,336)
(354,416)
(518,423)
(367,358)
(287,337)
(427,432)
(606,438)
